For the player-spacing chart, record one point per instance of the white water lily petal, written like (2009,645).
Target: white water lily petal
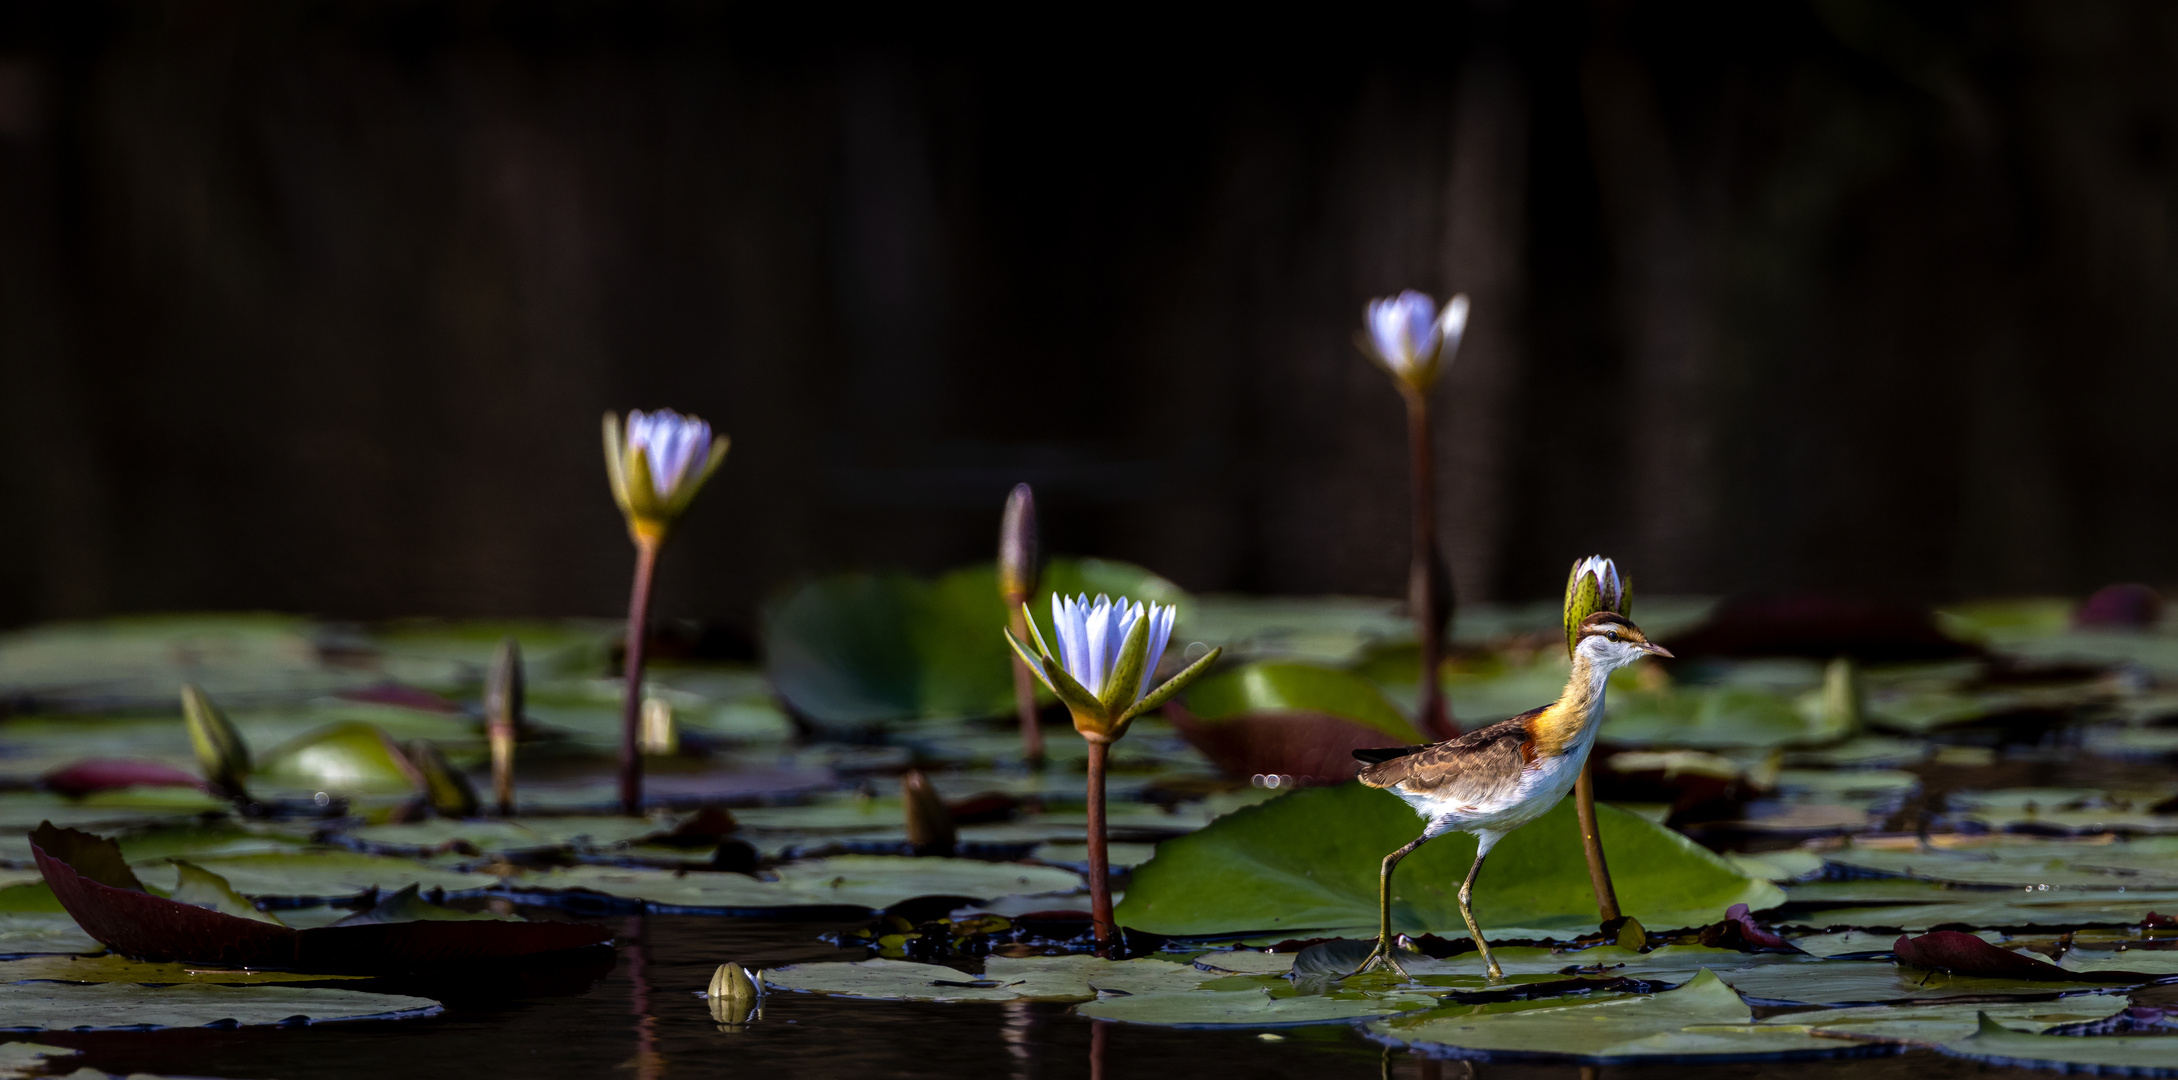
(671,444)
(1404,329)
(1091,635)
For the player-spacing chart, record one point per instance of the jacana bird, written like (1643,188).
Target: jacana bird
(1493,780)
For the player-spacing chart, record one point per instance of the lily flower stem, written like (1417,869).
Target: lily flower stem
(1599,873)
(1425,572)
(1100,862)
(1024,696)
(631,708)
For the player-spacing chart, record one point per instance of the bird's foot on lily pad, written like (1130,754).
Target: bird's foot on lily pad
(1385,953)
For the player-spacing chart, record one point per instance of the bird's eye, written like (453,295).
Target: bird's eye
(1612,634)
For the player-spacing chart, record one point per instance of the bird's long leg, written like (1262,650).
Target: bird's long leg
(1484,842)
(1383,950)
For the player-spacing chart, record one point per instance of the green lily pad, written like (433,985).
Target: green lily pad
(2119,1055)
(2023,864)
(1082,978)
(1310,860)
(1251,1008)
(353,758)
(1246,962)
(2145,961)
(30,1059)
(1703,1020)
(1714,717)
(1670,964)
(32,934)
(865,881)
(1278,686)
(1335,630)
(1777,866)
(49,1006)
(1928,1023)
(887,980)
(120,969)
(137,661)
(2054,909)
(326,874)
(868,648)
(1849,942)
(493,836)
(1870,982)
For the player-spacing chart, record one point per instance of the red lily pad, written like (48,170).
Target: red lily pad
(107,774)
(92,881)
(1964,954)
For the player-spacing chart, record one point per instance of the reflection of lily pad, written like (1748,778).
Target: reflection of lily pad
(2123,1055)
(1251,1008)
(863,881)
(1311,860)
(1924,1022)
(1703,1019)
(46,1006)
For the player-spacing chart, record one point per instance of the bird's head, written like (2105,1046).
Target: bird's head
(1613,641)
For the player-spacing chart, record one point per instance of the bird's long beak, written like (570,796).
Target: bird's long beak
(1659,650)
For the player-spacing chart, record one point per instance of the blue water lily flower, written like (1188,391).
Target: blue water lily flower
(657,466)
(1108,652)
(1411,338)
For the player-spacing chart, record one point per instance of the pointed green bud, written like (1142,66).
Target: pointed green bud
(444,787)
(1156,699)
(736,995)
(659,736)
(930,828)
(1019,550)
(1844,701)
(221,753)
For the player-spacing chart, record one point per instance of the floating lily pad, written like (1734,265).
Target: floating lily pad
(1245,962)
(33,934)
(1703,1020)
(48,1006)
(1251,1008)
(1849,942)
(2118,1055)
(1670,964)
(2158,962)
(353,758)
(867,648)
(1714,717)
(1311,860)
(1082,978)
(2024,864)
(528,834)
(888,980)
(1780,867)
(1871,982)
(2054,909)
(862,881)
(120,969)
(1929,1023)
(1272,687)
(322,873)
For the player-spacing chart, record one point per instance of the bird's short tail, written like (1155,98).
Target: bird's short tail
(1385,753)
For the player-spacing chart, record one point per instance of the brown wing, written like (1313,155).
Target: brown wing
(1476,769)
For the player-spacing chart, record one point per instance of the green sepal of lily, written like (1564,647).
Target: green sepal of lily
(650,516)
(1102,715)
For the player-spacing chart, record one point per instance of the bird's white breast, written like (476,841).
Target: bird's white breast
(1540,788)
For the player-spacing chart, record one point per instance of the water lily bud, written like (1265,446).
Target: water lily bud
(929,823)
(1019,553)
(1844,702)
(659,736)
(221,753)
(656,466)
(503,718)
(1593,586)
(1410,338)
(446,789)
(736,996)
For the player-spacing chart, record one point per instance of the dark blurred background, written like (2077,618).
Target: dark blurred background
(315,306)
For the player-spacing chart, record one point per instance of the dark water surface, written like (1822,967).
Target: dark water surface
(642,1019)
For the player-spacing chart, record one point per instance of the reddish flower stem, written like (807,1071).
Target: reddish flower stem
(1100,863)
(1432,714)
(631,708)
